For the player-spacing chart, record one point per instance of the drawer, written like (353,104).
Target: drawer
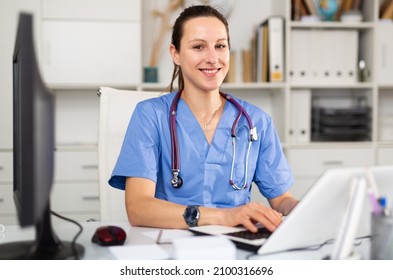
(8,220)
(6,167)
(385,156)
(312,162)
(74,197)
(76,166)
(7,205)
(92,9)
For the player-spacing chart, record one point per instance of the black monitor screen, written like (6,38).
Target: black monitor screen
(33,131)
(34,145)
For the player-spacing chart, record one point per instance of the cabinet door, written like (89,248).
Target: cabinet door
(92,53)
(76,166)
(92,9)
(6,168)
(312,162)
(385,156)
(7,205)
(75,197)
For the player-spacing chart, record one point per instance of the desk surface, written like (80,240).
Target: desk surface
(138,236)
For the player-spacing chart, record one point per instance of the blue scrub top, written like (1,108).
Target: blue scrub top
(205,169)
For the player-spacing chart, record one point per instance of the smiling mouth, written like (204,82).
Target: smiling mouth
(210,71)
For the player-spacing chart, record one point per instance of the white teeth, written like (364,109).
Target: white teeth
(210,71)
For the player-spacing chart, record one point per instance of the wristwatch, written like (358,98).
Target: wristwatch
(191,215)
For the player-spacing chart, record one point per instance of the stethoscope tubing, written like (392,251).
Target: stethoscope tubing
(176,180)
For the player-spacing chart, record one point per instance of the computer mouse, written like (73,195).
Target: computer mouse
(109,236)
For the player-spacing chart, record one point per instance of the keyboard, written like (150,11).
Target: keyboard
(246,234)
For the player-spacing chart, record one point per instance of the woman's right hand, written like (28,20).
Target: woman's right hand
(251,214)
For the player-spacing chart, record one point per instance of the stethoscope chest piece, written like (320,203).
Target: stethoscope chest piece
(176,180)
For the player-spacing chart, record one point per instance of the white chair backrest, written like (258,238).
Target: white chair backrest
(116,108)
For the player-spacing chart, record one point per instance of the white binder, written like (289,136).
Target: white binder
(276,49)
(385,54)
(300,50)
(324,56)
(300,116)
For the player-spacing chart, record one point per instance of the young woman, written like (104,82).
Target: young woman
(190,157)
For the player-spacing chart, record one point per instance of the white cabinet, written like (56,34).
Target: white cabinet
(75,189)
(7,206)
(99,46)
(309,162)
(385,156)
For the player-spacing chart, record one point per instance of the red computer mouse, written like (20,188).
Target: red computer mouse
(109,236)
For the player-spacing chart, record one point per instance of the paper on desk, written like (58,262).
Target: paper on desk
(139,252)
(168,235)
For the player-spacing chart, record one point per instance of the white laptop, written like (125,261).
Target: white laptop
(317,217)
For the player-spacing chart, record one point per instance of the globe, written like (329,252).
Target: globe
(327,9)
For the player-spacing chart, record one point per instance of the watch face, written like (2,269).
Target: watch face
(191,215)
(223,6)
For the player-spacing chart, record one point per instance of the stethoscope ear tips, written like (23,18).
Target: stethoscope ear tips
(177,182)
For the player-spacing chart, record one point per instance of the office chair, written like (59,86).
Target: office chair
(116,107)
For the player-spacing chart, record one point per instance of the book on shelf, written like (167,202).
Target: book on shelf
(386,10)
(231,75)
(247,66)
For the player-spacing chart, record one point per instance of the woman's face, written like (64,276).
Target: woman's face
(204,53)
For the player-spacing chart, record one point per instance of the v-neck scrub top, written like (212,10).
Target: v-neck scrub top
(205,169)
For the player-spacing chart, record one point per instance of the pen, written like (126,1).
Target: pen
(382,202)
(376,206)
(159,237)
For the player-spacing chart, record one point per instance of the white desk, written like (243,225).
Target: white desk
(137,236)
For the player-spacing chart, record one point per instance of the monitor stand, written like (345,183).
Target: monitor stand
(46,246)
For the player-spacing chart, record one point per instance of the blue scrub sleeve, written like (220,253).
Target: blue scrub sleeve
(139,153)
(273,175)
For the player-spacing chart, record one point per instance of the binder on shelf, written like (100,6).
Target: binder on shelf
(385,55)
(300,116)
(276,48)
(324,56)
(300,50)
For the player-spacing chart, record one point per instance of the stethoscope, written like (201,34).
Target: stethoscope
(176,180)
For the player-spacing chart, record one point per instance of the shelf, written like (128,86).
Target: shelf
(385,87)
(329,86)
(332,25)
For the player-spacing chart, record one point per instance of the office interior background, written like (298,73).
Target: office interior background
(333,106)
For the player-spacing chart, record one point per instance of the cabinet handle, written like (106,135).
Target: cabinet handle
(1,200)
(333,162)
(90,197)
(1,168)
(90,166)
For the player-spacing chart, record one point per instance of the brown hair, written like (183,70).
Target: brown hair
(177,33)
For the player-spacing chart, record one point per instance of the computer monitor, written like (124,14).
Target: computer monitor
(33,132)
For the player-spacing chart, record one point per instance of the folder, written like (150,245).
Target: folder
(324,56)
(276,48)
(300,116)
(385,54)
(300,51)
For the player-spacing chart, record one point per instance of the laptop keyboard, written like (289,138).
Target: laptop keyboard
(246,234)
